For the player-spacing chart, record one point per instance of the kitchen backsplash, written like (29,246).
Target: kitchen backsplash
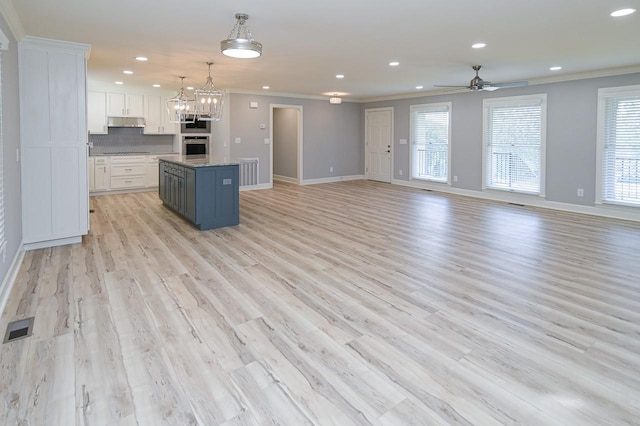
(121,140)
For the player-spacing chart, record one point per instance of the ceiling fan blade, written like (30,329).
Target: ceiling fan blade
(441,85)
(490,88)
(512,84)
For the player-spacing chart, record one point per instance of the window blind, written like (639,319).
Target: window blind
(514,143)
(430,135)
(620,176)
(2,235)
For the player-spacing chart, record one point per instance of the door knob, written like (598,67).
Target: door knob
(389,151)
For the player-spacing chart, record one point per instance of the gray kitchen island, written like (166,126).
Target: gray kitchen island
(202,189)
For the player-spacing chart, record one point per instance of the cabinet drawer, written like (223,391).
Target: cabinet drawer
(127,169)
(101,161)
(120,182)
(129,159)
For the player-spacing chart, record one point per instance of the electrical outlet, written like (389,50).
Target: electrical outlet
(455,178)
(580,192)
(331,169)
(238,140)
(400,172)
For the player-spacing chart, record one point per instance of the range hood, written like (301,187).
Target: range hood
(125,122)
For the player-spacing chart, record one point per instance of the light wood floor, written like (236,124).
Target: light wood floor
(346,303)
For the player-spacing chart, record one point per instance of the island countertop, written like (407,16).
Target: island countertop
(196,160)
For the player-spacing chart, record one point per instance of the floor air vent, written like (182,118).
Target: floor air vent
(18,330)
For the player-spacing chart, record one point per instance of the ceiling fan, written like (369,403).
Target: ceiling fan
(477,83)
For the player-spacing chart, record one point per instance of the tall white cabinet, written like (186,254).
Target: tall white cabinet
(53,126)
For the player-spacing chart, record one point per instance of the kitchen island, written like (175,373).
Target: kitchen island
(202,189)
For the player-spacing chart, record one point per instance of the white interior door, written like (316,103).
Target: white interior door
(378,144)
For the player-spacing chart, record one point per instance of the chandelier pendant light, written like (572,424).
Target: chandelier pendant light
(181,107)
(209,100)
(240,42)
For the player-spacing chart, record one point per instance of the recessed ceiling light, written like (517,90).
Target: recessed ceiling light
(339,75)
(557,68)
(189,87)
(156,85)
(394,63)
(119,82)
(419,87)
(622,12)
(141,58)
(478,45)
(128,72)
(265,87)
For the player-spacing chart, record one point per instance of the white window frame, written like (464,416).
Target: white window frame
(487,104)
(603,94)
(435,107)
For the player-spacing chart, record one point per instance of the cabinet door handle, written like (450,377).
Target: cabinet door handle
(105,169)
(127,170)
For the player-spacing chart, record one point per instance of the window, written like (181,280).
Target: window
(514,143)
(431,141)
(2,236)
(619,146)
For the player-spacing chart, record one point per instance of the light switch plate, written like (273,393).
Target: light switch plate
(238,140)
(403,141)
(253,105)
(266,141)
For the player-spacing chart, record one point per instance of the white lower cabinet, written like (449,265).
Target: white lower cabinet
(118,173)
(128,172)
(92,174)
(102,174)
(152,171)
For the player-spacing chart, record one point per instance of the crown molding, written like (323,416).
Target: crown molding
(286,95)
(10,15)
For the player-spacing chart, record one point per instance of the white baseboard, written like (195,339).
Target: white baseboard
(10,278)
(612,212)
(285,179)
(123,191)
(53,243)
(254,187)
(332,179)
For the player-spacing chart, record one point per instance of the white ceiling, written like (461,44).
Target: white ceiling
(306,43)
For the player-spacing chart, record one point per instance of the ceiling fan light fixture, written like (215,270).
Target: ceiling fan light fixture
(240,42)
(335,99)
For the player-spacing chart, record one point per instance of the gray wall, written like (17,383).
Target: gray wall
(11,141)
(332,134)
(285,142)
(571,134)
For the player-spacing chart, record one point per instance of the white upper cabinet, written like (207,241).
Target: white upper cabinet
(156,117)
(153,118)
(125,105)
(97,112)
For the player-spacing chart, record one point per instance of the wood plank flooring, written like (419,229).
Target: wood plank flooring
(349,303)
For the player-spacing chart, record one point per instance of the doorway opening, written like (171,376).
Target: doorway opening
(286,143)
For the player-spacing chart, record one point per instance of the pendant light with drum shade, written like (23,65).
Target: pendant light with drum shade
(240,42)
(209,100)
(181,107)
